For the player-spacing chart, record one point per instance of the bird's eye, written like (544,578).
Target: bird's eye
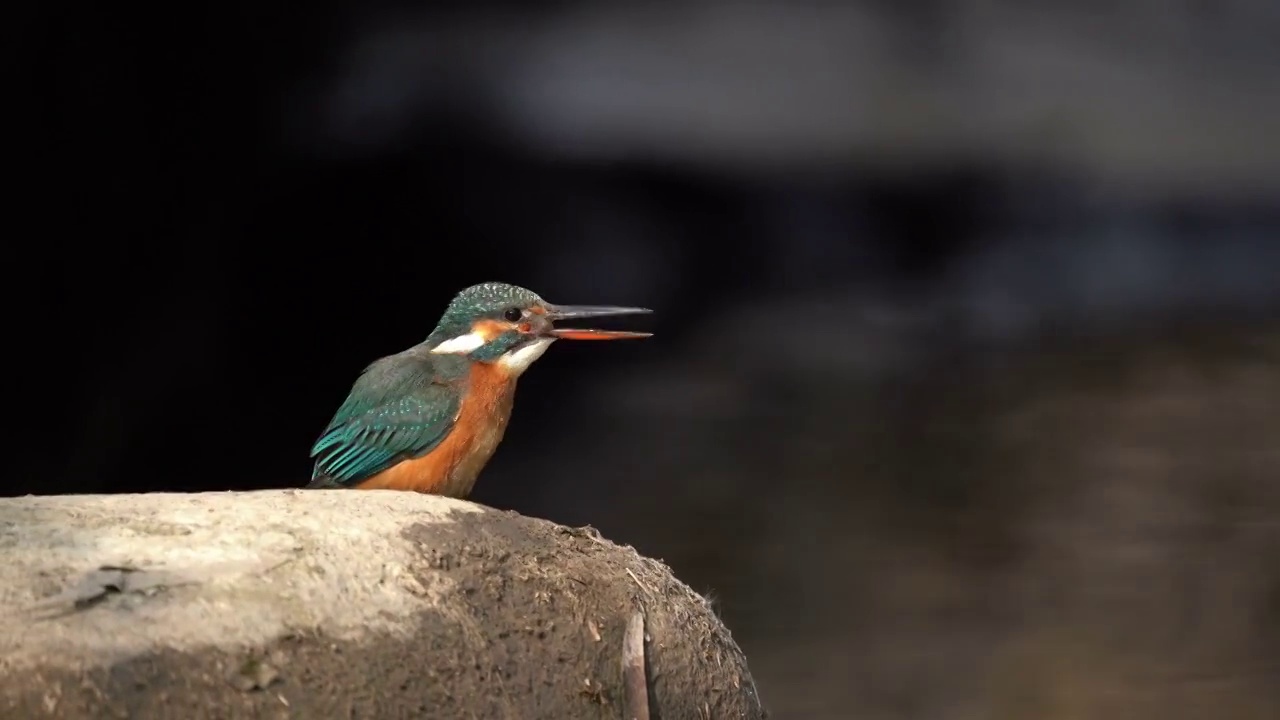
(513,314)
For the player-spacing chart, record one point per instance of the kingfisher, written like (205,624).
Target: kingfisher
(428,419)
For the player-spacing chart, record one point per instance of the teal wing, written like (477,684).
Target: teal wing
(390,415)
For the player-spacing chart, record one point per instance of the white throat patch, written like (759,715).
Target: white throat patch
(519,360)
(460,345)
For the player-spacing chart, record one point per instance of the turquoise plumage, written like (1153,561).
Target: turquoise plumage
(400,407)
(453,392)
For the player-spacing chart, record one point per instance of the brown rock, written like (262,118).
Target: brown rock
(339,604)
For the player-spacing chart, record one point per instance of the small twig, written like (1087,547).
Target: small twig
(635,682)
(642,585)
(277,566)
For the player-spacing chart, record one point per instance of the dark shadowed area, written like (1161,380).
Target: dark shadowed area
(964,394)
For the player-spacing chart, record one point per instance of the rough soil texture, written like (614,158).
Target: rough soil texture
(338,604)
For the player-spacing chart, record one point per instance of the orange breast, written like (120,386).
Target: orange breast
(452,467)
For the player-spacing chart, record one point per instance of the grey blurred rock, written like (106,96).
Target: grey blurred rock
(1147,97)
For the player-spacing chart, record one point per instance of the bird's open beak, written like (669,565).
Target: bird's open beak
(573,312)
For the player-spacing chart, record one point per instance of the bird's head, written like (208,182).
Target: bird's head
(512,326)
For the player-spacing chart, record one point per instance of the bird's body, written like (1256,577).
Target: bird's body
(428,419)
(435,419)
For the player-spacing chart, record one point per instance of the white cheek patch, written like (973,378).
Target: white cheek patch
(460,345)
(519,360)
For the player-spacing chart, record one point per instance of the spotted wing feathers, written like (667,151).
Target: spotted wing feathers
(388,417)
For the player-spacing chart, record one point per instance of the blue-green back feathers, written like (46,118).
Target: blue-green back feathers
(401,407)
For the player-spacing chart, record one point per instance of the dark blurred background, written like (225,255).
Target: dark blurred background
(964,398)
